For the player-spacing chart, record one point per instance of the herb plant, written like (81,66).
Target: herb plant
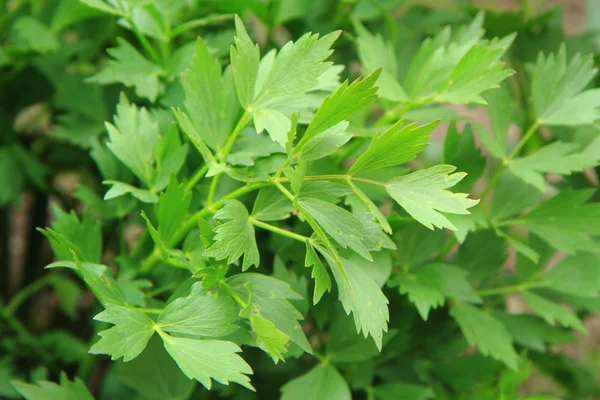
(265,227)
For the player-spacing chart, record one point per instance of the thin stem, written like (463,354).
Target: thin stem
(233,295)
(280,231)
(197,23)
(244,120)
(524,139)
(24,294)
(335,178)
(197,176)
(212,189)
(142,39)
(513,288)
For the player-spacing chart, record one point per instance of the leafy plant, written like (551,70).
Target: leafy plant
(300,235)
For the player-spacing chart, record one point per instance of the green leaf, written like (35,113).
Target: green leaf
(566,221)
(131,287)
(234,237)
(32,34)
(403,390)
(341,105)
(373,209)
(209,97)
(511,196)
(395,146)
(202,313)
(130,335)
(45,390)
(460,150)
(321,382)
(558,158)
(269,338)
(154,375)
(533,332)
(133,139)
(360,295)
(375,52)
(245,56)
(552,312)
(318,273)
(422,195)
(339,223)
(205,360)
(557,90)
(483,330)
(271,205)
(501,111)
(118,189)
(69,233)
(132,69)
(68,293)
(324,143)
(171,209)
(430,285)
(249,147)
(577,275)
(269,299)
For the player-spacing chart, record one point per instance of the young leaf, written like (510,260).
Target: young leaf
(552,312)
(324,143)
(483,330)
(269,338)
(130,335)
(132,69)
(558,158)
(205,360)
(321,382)
(202,313)
(422,195)
(430,285)
(395,146)
(318,273)
(209,98)
(234,237)
(566,221)
(245,56)
(558,91)
(269,299)
(339,223)
(45,390)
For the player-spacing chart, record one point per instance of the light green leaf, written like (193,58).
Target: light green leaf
(345,102)
(132,69)
(578,275)
(245,56)
(501,111)
(430,285)
(118,189)
(202,313)
(395,146)
(205,360)
(422,195)
(461,151)
(274,122)
(209,98)
(373,209)
(558,91)
(485,331)
(533,332)
(271,205)
(32,34)
(511,196)
(130,335)
(558,158)
(318,273)
(269,299)
(566,221)
(552,312)
(339,223)
(360,295)
(325,143)
(234,237)
(321,382)
(171,209)
(133,139)
(249,147)
(45,390)
(269,338)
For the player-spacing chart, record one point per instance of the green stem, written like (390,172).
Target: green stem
(513,288)
(197,176)
(233,295)
(24,294)
(142,39)
(197,23)
(447,247)
(280,231)
(244,120)
(530,132)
